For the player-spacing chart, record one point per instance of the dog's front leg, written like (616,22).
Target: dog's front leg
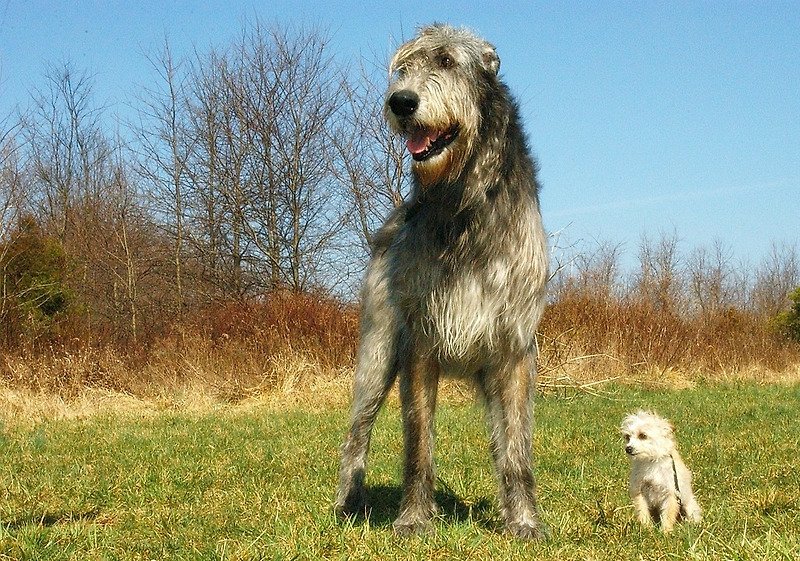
(373,380)
(418,388)
(670,509)
(376,370)
(642,509)
(508,391)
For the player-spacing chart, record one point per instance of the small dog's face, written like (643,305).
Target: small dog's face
(647,436)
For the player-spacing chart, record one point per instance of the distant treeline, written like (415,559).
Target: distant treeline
(259,169)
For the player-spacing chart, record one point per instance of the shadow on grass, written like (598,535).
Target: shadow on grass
(48,519)
(383,506)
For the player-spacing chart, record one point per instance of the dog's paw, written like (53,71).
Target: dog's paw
(694,515)
(528,531)
(407,527)
(350,501)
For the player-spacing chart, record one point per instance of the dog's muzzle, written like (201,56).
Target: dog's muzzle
(422,143)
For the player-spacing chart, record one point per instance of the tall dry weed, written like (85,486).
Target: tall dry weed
(231,350)
(622,337)
(292,344)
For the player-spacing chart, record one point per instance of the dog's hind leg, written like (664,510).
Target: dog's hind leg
(418,389)
(508,392)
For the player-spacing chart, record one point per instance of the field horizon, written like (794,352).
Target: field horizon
(307,386)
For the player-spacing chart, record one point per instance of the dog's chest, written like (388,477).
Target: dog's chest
(653,479)
(466,291)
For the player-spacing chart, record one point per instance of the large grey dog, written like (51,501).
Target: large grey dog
(456,281)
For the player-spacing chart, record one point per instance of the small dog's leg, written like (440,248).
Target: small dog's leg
(689,507)
(670,510)
(418,388)
(642,509)
(692,509)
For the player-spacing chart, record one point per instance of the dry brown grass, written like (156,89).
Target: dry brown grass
(295,349)
(298,350)
(588,338)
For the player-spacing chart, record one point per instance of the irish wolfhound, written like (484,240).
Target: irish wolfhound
(456,280)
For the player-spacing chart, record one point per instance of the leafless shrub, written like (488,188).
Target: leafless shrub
(693,317)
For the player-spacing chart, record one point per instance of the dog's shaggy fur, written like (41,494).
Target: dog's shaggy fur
(660,484)
(456,281)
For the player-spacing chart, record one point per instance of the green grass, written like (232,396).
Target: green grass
(257,484)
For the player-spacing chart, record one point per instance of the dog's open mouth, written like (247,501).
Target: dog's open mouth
(424,143)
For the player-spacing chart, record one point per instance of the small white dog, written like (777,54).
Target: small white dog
(660,485)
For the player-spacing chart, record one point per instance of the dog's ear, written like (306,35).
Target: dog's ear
(626,427)
(491,61)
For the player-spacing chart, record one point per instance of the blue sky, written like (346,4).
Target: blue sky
(646,117)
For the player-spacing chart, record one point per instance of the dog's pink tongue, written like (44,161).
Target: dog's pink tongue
(418,142)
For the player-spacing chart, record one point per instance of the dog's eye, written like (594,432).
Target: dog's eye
(446,61)
(642,436)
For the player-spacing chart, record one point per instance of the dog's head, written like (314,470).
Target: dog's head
(439,83)
(647,436)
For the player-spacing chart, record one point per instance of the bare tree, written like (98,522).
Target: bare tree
(299,92)
(207,149)
(314,97)
(660,281)
(372,159)
(11,204)
(217,168)
(81,180)
(776,277)
(12,198)
(164,147)
(68,152)
(124,257)
(712,278)
(263,206)
(599,269)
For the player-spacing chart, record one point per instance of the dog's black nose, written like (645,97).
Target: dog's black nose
(403,103)
(629,450)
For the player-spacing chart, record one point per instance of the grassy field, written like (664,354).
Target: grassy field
(256,482)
